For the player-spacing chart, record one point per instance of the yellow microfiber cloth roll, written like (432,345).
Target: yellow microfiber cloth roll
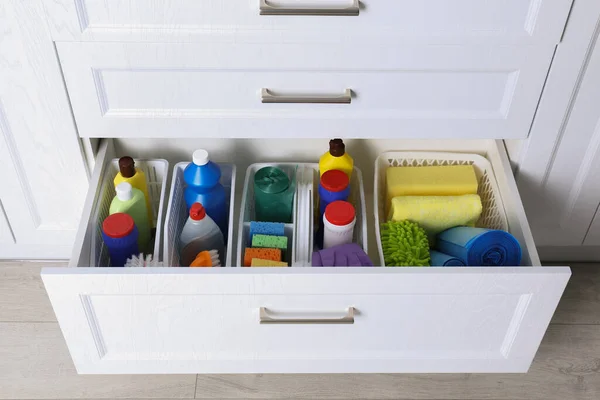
(443,180)
(437,213)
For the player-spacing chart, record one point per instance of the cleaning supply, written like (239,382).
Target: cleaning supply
(136,177)
(442,180)
(444,260)
(266,228)
(404,244)
(437,213)
(345,255)
(142,261)
(266,241)
(273,195)
(207,258)
(257,262)
(202,178)
(338,220)
(263,254)
(480,246)
(336,158)
(201,231)
(334,185)
(120,237)
(130,200)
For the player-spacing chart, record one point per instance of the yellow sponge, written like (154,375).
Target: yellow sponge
(257,262)
(445,180)
(437,213)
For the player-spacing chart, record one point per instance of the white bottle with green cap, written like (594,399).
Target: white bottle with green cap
(130,200)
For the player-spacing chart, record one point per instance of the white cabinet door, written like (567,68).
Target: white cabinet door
(43,178)
(558,175)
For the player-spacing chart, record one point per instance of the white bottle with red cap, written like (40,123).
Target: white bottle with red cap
(339,220)
(200,233)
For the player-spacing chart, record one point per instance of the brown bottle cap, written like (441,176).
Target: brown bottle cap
(127,167)
(337,148)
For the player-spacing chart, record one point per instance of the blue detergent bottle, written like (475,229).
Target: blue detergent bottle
(202,178)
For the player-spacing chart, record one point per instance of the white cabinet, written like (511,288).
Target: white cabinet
(184,72)
(43,177)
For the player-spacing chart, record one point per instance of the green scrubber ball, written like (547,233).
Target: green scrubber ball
(404,244)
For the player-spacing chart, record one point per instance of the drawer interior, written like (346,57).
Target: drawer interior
(243,153)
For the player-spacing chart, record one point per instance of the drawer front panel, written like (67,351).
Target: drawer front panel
(225,328)
(185,320)
(434,21)
(166,90)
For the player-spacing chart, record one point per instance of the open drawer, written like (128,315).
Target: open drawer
(376,319)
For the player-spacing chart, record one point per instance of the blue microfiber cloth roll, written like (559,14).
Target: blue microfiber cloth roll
(480,246)
(444,260)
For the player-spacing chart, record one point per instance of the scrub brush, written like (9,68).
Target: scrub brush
(404,244)
(207,259)
(140,262)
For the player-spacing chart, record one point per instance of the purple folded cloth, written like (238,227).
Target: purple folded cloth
(345,255)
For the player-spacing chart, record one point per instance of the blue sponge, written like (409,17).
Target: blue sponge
(266,228)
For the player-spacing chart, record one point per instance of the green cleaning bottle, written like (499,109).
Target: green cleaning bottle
(130,200)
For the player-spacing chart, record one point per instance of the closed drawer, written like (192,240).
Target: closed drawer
(187,90)
(208,320)
(434,21)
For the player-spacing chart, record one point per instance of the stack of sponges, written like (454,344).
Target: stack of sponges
(268,245)
(404,244)
(435,197)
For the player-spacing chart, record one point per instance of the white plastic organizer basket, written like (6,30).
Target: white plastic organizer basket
(156,178)
(300,232)
(177,213)
(493,215)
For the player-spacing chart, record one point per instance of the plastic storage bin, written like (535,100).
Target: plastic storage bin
(156,176)
(177,213)
(248,213)
(305,215)
(356,198)
(493,215)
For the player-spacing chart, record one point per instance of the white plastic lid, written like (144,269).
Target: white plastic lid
(124,191)
(200,157)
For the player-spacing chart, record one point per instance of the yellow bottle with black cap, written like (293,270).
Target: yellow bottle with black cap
(336,158)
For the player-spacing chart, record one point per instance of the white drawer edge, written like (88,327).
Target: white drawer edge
(81,254)
(517,217)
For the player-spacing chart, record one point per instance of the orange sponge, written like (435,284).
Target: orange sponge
(263,254)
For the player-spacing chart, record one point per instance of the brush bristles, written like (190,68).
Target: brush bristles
(214,258)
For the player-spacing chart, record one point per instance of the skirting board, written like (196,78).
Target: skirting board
(569,253)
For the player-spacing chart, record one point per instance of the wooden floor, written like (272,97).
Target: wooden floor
(35,364)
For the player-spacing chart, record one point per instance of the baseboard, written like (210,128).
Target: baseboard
(569,253)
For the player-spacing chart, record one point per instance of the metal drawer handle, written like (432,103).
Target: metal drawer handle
(267,9)
(265,318)
(268,97)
